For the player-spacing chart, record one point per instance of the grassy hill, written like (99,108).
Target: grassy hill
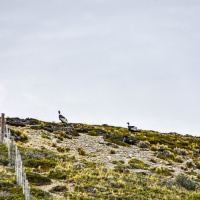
(80,161)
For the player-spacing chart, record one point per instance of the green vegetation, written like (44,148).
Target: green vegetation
(3,155)
(39,194)
(77,177)
(57,175)
(81,151)
(59,188)
(44,164)
(186,182)
(137,164)
(112,151)
(163,170)
(19,135)
(37,179)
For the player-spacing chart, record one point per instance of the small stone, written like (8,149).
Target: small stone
(109,157)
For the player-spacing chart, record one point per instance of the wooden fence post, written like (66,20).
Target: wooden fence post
(2,126)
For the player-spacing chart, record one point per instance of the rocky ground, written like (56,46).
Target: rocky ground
(97,145)
(96,149)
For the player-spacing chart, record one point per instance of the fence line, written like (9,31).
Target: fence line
(14,158)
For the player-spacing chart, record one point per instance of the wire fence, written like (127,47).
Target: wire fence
(15,159)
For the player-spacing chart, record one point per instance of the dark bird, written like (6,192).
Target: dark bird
(62,118)
(132,128)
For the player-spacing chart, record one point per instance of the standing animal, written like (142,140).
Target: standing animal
(132,128)
(62,118)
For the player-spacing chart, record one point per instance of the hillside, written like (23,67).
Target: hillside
(80,161)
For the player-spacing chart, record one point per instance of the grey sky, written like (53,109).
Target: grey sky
(102,61)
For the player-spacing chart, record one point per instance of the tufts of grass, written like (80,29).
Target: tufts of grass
(92,133)
(137,164)
(144,144)
(163,171)
(44,164)
(59,188)
(81,152)
(112,151)
(38,194)
(180,151)
(59,175)
(37,179)
(190,164)
(19,135)
(184,181)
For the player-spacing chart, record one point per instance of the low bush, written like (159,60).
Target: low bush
(190,164)
(81,151)
(59,175)
(58,188)
(184,181)
(43,164)
(180,151)
(112,151)
(163,170)
(137,164)
(19,135)
(37,179)
(144,144)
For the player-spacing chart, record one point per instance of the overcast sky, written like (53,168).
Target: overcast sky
(102,62)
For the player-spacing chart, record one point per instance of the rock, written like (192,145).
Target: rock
(36,127)
(109,177)
(58,141)
(90,190)
(79,166)
(198,165)
(112,145)
(109,157)
(100,132)
(130,140)
(83,130)
(15,121)
(68,136)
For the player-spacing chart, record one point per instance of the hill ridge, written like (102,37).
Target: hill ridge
(56,151)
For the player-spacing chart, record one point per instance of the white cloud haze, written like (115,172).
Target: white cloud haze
(102,61)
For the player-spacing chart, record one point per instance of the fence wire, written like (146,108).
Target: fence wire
(14,159)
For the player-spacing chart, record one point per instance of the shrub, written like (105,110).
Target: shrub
(180,151)
(40,194)
(54,144)
(162,147)
(81,151)
(44,163)
(165,155)
(163,170)
(184,181)
(112,151)
(137,164)
(198,165)
(154,148)
(121,168)
(92,133)
(60,149)
(59,188)
(37,179)
(57,175)
(178,159)
(153,160)
(143,144)
(19,135)
(120,143)
(189,164)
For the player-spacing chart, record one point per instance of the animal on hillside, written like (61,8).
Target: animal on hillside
(62,118)
(132,128)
